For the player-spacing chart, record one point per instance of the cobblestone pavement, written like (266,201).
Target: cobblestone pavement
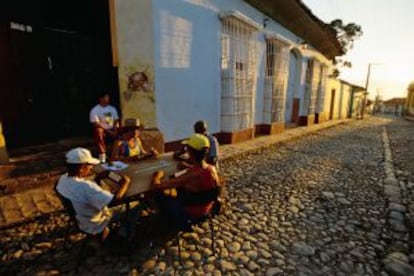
(401,134)
(312,206)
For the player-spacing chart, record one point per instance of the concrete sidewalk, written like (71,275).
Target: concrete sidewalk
(29,204)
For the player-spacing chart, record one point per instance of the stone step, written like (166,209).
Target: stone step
(27,205)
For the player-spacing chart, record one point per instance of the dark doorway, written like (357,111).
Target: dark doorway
(295,110)
(332,108)
(77,73)
(59,62)
(27,100)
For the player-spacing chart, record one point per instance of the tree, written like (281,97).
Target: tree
(346,35)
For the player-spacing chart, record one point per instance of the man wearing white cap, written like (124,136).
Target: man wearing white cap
(88,199)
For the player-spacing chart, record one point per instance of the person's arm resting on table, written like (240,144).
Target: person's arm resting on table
(188,180)
(124,183)
(145,154)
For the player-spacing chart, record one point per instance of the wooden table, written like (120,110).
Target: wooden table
(141,172)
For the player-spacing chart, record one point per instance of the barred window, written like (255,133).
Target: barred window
(308,104)
(321,88)
(276,78)
(315,87)
(238,74)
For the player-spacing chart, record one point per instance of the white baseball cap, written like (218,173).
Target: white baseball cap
(80,156)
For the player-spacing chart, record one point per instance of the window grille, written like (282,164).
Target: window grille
(276,78)
(321,89)
(315,87)
(308,87)
(238,74)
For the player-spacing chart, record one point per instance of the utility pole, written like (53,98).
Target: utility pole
(366,88)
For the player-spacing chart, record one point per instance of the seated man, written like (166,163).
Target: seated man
(198,187)
(212,157)
(129,146)
(88,199)
(105,120)
(213,153)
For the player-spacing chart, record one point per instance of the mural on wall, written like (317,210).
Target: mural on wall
(138,100)
(138,81)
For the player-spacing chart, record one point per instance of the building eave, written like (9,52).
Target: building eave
(356,88)
(299,19)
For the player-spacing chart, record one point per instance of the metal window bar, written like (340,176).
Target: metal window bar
(276,77)
(324,87)
(308,87)
(314,87)
(238,63)
(321,98)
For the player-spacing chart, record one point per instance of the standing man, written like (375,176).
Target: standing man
(105,120)
(200,127)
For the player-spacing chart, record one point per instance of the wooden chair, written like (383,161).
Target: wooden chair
(200,198)
(73,223)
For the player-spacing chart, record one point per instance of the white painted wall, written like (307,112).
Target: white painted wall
(337,85)
(187,62)
(357,104)
(303,109)
(343,97)
(292,84)
(311,53)
(328,97)
(346,101)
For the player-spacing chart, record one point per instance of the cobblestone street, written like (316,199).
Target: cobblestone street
(315,205)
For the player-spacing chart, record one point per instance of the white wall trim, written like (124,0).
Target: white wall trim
(238,15)
(273,36)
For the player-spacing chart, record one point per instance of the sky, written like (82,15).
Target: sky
(387,42)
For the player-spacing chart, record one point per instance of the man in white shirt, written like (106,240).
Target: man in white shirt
(88,199)
(105,120)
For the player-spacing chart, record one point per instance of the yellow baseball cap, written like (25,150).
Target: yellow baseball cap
(197,141)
